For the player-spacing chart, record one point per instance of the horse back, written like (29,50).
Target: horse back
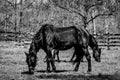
(60,38)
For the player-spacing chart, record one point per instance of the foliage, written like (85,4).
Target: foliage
(29,15)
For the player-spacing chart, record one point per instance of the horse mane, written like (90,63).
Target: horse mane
(37,40)
(93,42)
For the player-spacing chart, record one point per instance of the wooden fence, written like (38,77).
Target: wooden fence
(15,36)
(106,40)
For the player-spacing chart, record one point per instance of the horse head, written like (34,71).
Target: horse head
(31,60)
(97,54)
(96,50)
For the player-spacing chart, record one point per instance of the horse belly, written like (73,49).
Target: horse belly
(65,42)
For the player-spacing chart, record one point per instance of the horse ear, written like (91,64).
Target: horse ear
(26,53)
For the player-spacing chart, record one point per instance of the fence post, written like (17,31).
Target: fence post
(108,41)
(107,33)
(94,23)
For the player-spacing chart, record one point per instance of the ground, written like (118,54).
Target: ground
(14,67)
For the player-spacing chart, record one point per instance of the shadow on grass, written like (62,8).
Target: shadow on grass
(59,74)
(27,72)
(61,61)
(78,77)
(65,61)
(57,71)
(44,71)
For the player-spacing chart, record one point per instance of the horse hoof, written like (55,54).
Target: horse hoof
(89,71)
(58,60)
(75,69)
(31,72)
(54,69)
(48,71)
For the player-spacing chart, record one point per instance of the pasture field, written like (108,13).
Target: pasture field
(14,67)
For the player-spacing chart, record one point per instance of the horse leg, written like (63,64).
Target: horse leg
(77,66)
(48,65)
(48,56)
(53,63)
(53,52)
(57,54)
(51,59)
(88,57)
(45,59)
(79,56)
(82,59)
(72,57)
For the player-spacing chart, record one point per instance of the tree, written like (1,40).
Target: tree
(18,7)
(89,10)
(117,13)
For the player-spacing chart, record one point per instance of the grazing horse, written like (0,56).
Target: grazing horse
(93,45)
(49,38)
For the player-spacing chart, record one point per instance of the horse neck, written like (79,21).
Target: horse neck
(93,43)
(34,47)
(37,41)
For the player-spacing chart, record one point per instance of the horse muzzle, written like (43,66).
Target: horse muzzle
(98,60)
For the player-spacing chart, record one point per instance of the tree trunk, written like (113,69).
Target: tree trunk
(84,21)
(15,28)
(94,23)
(107,32)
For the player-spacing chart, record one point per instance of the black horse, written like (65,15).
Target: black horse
(92,43)
(50,37)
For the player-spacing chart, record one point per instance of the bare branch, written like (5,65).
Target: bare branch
(13,5)
(98,16)
(71,10)
(91,6)
(28,5)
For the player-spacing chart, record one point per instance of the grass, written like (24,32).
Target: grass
(13,66)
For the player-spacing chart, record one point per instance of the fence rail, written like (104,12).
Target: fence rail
(107,40)
(15,36)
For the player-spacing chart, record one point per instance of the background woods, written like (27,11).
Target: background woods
(26,16)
